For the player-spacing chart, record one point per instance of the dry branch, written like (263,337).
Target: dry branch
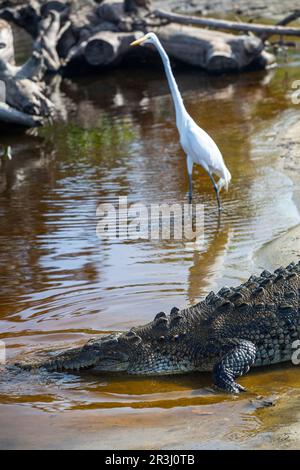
(286,20)
(227,25)
(12,116)
(289,18)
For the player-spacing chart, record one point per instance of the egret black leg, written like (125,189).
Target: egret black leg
(189,162)
(190,189)
(217,191)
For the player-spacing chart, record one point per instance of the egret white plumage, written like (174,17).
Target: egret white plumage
(198,146)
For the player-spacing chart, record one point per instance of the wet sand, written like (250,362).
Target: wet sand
(280,252)
(286,247)
(274,10)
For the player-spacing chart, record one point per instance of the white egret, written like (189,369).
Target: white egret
(198,146)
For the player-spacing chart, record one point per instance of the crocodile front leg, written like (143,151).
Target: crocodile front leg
(239,355)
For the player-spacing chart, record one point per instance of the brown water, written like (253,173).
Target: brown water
(60,284)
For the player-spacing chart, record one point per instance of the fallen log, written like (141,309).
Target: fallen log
(111,10)
(12,116)
(108,48)
(79,35)
(211,50)
(226,25)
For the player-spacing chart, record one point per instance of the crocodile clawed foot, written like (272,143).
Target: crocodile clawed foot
(238,357)
(230,387)
(240,388)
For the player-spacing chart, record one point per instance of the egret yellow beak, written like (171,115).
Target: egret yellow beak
(138,41)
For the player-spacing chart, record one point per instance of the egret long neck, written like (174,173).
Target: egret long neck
(178,102)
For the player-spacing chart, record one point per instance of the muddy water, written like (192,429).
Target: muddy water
(60,284)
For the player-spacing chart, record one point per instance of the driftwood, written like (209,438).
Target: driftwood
(86,34)
(289,18)
(78,35)
(6,43)
(227,25)
(213,51)
(22,98)
(286,20)
(50,32)
(108,48)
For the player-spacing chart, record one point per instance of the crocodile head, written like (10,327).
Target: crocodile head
(130,351)
(106,353)
(158,348)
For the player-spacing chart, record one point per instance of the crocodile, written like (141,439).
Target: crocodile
(254,324)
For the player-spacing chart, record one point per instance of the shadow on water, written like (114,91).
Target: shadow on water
(60,284)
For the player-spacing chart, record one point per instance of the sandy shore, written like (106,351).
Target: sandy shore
(255,8)
(280,252)
(286,247)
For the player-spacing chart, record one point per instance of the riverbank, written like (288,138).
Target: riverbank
(285,248)
(256,8)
